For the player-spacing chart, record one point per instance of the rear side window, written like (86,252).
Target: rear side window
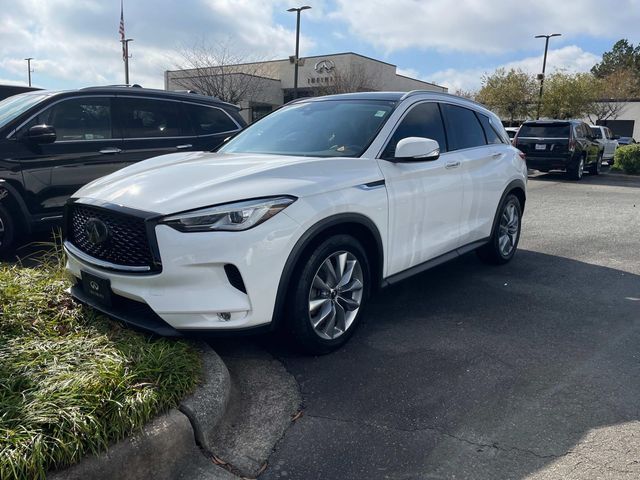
(423,120)
(552,130)
(209,120)
(78,119)
(489,131)
(596,132)
(148,118)
(463,127)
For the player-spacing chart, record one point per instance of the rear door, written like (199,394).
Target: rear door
(86,148)
(211,125)
(152,127)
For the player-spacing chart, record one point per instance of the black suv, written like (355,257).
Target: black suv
(559,145)
(52,143)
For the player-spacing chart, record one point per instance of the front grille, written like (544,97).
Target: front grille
(127,242)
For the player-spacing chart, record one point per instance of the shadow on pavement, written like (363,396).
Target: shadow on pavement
(469,371)
(605,178)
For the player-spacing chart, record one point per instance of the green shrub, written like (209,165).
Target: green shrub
(72,381)
(627,159)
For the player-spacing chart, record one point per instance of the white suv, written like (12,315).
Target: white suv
(298,218)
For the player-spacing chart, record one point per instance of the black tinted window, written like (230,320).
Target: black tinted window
(489,131)
(144,118)
(208,120)
(423,120)
(78,119)
(552,130)
(463,127)
(596,132)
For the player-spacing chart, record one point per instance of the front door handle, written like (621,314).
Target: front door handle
(110,150)
(184,147)
(455,164)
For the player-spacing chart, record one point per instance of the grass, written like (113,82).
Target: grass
(72,381)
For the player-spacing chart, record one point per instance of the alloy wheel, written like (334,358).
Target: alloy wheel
(1,231)
(509,227)
(581,167)
(335,295)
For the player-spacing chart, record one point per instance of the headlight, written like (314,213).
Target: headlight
(229,217)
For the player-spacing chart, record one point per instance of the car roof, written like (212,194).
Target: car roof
(550,121)
(142,92)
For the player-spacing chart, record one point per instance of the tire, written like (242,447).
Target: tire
(8,231)
(324,309)
(508,225)
(575,171)
(595,169)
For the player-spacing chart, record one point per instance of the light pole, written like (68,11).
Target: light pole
(125,55)
(296,60)
(544,65)
(29,68)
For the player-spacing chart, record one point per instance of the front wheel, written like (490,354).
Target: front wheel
(327,295)
(504,240)
(8,231)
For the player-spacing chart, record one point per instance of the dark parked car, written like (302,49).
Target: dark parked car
(560,145)
(626,141)
(52,143)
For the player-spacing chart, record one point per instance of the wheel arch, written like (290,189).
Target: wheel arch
(10,196)
(359,226)
(517,188)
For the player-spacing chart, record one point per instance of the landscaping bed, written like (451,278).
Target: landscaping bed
(72,381)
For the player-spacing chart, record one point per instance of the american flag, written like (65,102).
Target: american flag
(121,30)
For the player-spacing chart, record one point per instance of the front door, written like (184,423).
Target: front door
(425,197)
(86,148)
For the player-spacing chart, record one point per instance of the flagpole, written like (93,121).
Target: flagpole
(125,44)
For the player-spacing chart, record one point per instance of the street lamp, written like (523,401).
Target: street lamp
(544,64)
(29,68)
(296,59)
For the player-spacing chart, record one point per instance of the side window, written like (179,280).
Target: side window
(209,120)
(78,119)
(423,120)
(489,130)
(148,118)
(463,127)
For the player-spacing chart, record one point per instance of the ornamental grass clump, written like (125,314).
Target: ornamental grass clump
(71,381)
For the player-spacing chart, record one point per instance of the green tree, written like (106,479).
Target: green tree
(511,94)
(623,56)
(568,95)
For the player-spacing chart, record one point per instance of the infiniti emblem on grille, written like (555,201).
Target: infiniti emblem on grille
(96,230)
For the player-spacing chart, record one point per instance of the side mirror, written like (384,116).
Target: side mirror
(41,134)
(417,148)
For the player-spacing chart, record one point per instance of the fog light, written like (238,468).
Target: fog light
(224,316)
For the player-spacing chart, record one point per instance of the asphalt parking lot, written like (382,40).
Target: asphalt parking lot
(530,370)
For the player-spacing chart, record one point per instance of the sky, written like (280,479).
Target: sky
(75,43)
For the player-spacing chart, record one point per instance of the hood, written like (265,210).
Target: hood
(183,181)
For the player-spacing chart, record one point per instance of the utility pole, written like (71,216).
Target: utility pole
(29,68)
(125,57)
(544,64)
(297,58)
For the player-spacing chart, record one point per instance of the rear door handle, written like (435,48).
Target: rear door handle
(455,164)
(183,147)
(110,150)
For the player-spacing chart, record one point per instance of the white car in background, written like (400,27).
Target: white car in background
(299,218)
(604,137)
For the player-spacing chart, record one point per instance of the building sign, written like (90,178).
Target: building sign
(325,66)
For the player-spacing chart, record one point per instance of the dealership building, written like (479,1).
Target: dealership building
(271,84)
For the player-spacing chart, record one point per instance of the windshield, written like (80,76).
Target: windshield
(13,107)
(326,128)
(554,130)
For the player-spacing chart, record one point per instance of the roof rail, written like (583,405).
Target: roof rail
(444,94)
(124,85)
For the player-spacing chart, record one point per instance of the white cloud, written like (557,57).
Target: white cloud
(479,26)
(570,58)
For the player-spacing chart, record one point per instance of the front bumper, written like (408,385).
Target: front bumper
(193,292)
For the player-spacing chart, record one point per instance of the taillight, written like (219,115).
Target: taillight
(522,155)
(514,142)
(572,145)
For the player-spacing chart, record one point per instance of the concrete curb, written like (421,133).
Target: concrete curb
(166,447)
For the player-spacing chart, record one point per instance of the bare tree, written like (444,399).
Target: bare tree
(216,70)
(612,91)
(348,80)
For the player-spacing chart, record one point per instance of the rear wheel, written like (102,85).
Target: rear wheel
(575,171)
(8,231)
(504,240)
(327,295)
